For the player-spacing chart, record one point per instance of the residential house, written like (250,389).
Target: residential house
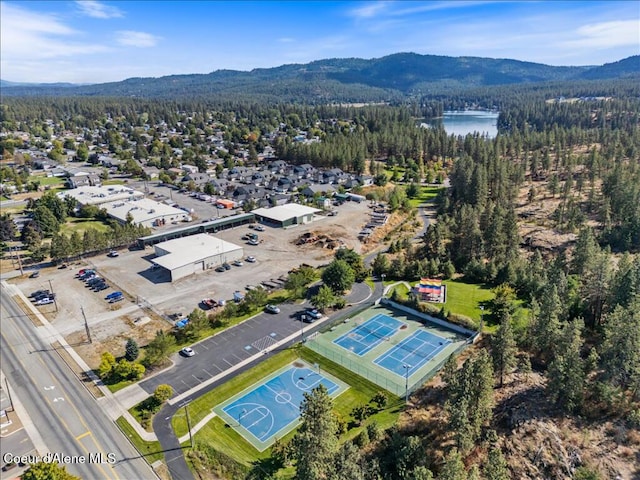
(315,189)
(197,178)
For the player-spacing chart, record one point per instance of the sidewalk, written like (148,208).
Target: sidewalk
(109,402)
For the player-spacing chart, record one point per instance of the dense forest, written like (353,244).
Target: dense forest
(562,337)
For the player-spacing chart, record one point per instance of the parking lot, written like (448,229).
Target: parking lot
(130,273)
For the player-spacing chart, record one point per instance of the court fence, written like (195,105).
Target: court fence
(390,381)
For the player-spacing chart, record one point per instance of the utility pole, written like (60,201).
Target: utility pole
(406,382)
(186,412)
(55,303)
(9,394)
(19,261)
(86,325)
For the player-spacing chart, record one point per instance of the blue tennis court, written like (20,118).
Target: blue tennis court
(414,351)
(368,335)
(274,405)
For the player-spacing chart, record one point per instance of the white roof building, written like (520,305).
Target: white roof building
(286,215)
(188,255)
(146,212)
(98,195)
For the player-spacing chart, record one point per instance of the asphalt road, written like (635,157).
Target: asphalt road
(230,345)
(66,418)
(219,353)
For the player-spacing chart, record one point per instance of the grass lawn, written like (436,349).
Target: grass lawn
(44,181)
(466,298)
(114,181)
(225,439)
(151,451)
(427,195)
(80,225)
(401,290)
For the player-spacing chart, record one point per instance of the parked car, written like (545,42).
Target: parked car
(221,269)
(39,292)
(45,301)
(238,263)
(182,323)
(313,313)
(35,274)
(250,259)
(116,299)
(226,266)
(271,309)
(253,242)
(85,272)
(209,303)
(113,295)
(332,213)
(112,254)
(259,228)
(101,287)
(187,352)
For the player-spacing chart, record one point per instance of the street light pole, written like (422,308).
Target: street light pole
(406,382)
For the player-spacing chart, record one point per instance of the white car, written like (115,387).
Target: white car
(44,301)
(187,352)
(250,259)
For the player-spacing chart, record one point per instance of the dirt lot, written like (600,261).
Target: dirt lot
(111,325)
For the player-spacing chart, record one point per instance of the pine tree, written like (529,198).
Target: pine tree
(131,350)
(316,443)
(504,349)
(496,466)
(566,372)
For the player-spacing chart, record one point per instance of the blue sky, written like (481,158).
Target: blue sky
(102,41)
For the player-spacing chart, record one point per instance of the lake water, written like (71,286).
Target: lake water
(468,121)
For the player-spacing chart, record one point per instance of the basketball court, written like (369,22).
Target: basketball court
(270,409)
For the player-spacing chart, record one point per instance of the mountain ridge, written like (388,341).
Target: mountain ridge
(339,79)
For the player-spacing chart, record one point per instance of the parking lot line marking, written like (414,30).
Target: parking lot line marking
(204,346)
(230,364)
(83,435)
(208,373)
(216,366)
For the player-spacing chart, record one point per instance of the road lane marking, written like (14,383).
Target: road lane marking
(79,437)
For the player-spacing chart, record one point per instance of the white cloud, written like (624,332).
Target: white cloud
(607,34)
(27,36)
(95,9)
(369,10)
(132,38)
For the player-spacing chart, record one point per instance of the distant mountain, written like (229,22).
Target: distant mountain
(627,67)
(7,83)
(347,79)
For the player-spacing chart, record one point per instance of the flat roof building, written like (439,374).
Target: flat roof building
(286,215)
(98,195)
(146,212)
(188,255)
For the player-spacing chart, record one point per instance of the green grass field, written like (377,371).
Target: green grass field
(81,225)
(466,298)
(44,180)
(114,181)
(225,439)
(427,195)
